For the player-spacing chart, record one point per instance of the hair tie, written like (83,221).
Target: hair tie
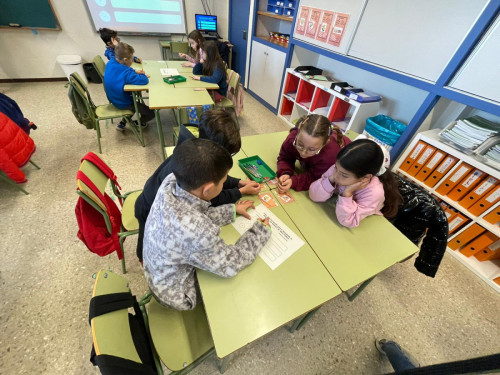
(386,163)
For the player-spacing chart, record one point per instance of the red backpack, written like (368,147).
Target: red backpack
(93,231)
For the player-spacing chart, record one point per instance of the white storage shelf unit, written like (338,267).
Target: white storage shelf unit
(301,96)
(486,270)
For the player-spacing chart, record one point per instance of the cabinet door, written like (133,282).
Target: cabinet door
(275,65)
(257,81)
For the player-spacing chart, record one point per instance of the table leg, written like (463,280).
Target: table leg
(160,133)
(223,364)
(360,289)
(299,322)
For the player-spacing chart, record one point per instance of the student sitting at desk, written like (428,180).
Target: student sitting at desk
(111,39)
(118,73)
(182,231)
(315,144)
(213,69)
(363,182)
(195,40)
(216,125)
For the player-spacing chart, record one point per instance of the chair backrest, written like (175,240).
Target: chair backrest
(179,47)
(99,66)
(115,332)
(99,180)
(81,88)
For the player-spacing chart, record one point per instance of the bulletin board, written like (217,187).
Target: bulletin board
(28,14)
(329,24)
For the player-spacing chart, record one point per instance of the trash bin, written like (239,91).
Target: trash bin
(71,64)
(384,130)
(91,73)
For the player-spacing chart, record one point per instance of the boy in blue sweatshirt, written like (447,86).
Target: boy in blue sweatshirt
(111,39)
(118,73)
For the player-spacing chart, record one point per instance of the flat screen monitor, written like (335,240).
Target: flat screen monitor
(206,22)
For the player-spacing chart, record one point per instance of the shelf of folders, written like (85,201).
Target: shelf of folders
(469,192)
(345,106)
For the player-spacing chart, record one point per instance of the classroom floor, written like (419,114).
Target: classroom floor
(46,272)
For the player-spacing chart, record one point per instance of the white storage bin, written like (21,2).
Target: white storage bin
(71,64)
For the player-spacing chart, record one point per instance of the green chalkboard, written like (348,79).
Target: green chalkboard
(31,14)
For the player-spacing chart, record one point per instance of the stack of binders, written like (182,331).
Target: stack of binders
(469,133)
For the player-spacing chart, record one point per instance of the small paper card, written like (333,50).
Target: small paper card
(267,200)
(285,198)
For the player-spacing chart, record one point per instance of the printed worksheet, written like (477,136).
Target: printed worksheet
(169,72)
(283,242)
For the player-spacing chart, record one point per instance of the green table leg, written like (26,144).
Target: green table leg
(135,97)
(299,322)
(160,133)
(360,289)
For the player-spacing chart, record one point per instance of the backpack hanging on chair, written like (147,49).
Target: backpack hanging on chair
(99,236)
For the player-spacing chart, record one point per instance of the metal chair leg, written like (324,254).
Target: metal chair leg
(98,129)
(33,163)
(9,181)
(124,268)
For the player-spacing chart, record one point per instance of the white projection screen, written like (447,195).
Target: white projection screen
(139,16)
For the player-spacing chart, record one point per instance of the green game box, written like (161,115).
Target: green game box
(262,169)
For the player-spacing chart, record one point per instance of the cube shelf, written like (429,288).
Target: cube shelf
(310,96)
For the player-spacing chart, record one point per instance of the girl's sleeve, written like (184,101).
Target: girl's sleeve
(321,190)
(198,69)
(351,211)
(190,59)
(286,159)
(216,77)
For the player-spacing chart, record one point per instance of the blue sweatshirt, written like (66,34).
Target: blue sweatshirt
(216,77)
(118,75)
(110,53)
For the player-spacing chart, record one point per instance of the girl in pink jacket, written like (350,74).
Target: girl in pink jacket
(363,182)
(195,40)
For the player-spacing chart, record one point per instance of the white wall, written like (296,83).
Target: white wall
(26,55)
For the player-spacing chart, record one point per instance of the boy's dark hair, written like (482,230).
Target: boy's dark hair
(220,126)
(107,34)
(124,50)
(364,156)
(199,161)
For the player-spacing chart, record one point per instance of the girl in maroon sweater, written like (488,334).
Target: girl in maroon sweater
(315,143)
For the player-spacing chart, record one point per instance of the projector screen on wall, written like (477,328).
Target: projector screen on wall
(139,16)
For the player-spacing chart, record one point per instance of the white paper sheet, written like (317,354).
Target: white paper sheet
(283,242)
(169,72)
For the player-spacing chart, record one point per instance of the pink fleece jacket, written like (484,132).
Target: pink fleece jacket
(350,210)
(192,59)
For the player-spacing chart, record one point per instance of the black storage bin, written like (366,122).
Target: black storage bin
(91,73)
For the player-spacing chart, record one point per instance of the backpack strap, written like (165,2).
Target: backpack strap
(100,305)
(103,167)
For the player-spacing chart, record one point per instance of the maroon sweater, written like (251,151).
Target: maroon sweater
(313,166)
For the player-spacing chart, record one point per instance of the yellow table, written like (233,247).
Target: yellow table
(164,96)
(258,300)
(351,256)
(178,65)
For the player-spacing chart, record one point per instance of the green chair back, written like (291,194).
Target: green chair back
(111,332)
(178,47)
(99,66)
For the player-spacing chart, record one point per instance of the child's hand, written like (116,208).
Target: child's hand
(350,189)
(243,206)
(284,183)
(138,60)
(202,61)
(140,71)
(182,55)
(187,65)
(196,78)
(265,222)
(249,187)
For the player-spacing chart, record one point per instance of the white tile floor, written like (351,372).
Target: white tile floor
(45,273)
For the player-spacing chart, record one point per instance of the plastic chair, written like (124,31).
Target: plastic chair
(103,112)
(181,339)
(178,47)
(130,225)
(99,66)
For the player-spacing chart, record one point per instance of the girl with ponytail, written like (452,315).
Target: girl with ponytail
(315,143)
(363,182)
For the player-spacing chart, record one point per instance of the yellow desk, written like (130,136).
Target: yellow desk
(178,65)
(164,96)
(351,256)
(258,300)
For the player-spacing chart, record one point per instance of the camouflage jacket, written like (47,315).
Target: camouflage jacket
(182,234)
